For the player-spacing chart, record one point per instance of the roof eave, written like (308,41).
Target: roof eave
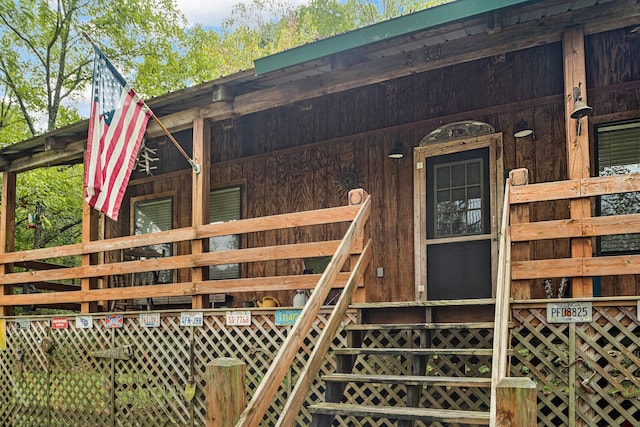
(404,25)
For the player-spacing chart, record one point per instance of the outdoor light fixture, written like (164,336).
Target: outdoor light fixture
(580,108)
(397,152)
(522,129)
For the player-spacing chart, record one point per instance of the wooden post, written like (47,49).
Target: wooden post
(516,403)
(357,197)
(225,394)
(578,162)
(520,251)
(8,229)
(200,200)
(89,234)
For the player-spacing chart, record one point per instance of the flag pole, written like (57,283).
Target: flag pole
(192,163)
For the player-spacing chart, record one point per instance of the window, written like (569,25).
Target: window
(618,148)
(459,193)
(151,216)
(224,206)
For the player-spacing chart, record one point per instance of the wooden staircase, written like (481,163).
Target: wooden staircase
(440,351)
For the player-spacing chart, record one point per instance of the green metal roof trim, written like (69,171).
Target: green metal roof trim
(422,20)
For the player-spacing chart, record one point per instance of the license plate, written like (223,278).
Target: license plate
(569,312)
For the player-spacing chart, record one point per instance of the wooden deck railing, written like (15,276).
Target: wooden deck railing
(525,232)
(499,363)
(261,399)
(518,233)
(101,272)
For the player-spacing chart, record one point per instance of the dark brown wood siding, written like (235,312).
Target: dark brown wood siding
(290,157)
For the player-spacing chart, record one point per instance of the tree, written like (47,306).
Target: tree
(45,63)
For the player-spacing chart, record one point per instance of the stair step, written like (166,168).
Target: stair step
(410,380)
(437,303)
(418,326)
(403,413)
(414,351)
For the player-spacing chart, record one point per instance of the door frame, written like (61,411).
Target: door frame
(494,143)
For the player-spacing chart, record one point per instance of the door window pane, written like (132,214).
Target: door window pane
(459,198)
(224,206)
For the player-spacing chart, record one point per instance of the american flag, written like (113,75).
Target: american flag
(117,125)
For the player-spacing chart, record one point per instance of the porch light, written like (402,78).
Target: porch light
(522,129)
(397,152)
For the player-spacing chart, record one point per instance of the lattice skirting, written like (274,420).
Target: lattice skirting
(586,372)
(69,387)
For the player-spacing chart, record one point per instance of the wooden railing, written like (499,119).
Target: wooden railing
(101,272)
(516,266)
(499,361)
(584,228)
(261,399)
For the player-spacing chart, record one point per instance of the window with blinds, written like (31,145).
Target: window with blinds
(618,150)
(224,206)
(151,216)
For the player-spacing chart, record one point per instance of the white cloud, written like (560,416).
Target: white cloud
(212,13)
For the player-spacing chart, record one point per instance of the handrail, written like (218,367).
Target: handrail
(502,313)
(261,399)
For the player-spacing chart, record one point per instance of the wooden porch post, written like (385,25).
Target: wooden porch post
(520,251)
(7,229)
(200,199)
(225,391)
(89,233)
(578,162)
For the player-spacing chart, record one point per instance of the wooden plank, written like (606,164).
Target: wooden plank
(269,253)
(7,230)
(418,326)
(576,267)
(261,399)
(89,234)
(564,228)
(415,351)
(292,220)
(434,381)
(319,353)
(516,402)
(577,141)
(447,416)
(544,269)
(224,391)
(520,251)
(200,189)
(274,283)
(575,188)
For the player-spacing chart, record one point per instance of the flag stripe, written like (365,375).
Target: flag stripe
(117,125)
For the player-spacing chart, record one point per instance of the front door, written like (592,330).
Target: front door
(458,187)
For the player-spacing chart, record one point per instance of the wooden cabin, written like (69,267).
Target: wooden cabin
(472,126)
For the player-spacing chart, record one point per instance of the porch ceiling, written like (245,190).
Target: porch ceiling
(506,26)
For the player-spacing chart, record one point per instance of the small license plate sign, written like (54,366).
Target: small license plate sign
(191,318)
(150,320)
(59,323)
(287,317)
(23,323)
(569,312)
(238,318)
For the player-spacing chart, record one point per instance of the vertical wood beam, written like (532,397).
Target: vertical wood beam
(516,402)
(520,251)
(225,392)
(89,234)
(578,161)
(8,229)
(200,199)
(357,197)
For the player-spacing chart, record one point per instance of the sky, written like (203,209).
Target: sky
(211,13)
